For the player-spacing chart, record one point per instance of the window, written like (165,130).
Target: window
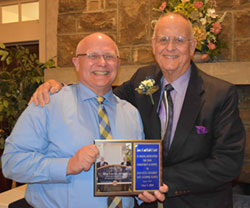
(19,11)
(32,24)
(10,14)
(30,11)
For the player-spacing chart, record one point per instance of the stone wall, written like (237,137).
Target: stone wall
(128,22)
(244,106)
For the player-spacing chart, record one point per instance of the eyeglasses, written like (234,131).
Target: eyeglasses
(96,57)
(176,41)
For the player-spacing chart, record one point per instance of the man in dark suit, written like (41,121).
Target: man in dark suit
(101,163)
(206,146)
(125,162)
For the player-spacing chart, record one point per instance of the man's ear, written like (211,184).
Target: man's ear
(192,47)
(118,63)
(153,45)
(76,63)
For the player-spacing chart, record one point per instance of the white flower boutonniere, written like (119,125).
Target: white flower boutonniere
(147,87)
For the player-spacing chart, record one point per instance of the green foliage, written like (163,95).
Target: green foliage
(128,153)
(20,74)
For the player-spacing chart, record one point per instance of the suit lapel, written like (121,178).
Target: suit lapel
(155,120)
(157,94)
(191,107)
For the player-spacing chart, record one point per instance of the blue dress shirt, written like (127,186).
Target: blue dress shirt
(44,139)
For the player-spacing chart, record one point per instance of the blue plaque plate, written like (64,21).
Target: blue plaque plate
(147,167)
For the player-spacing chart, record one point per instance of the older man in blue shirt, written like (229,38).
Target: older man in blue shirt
(52,148)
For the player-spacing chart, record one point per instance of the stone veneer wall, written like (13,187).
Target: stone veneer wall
(244,106)
(128,22)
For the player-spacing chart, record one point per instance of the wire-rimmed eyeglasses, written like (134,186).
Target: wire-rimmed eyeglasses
(176,41)
(95,56)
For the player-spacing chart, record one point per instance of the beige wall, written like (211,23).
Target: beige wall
(50,45)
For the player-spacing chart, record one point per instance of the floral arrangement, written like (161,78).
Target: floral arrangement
(147,87)
(206,23)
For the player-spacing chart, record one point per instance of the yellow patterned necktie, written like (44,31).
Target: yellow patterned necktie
(105,133)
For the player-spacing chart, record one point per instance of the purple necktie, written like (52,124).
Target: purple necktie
(169,110)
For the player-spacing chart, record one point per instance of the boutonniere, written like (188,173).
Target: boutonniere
(147,87)
(201,130)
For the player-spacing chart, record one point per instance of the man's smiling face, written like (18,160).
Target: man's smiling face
(98,69)
(173,45)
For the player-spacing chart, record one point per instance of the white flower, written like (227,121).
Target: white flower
(147,84)
(147,87)
(203,21)
(211,13)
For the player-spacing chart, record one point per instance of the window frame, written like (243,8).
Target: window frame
(33,30)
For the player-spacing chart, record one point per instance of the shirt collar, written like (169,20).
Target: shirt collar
(85,94)
(179,84)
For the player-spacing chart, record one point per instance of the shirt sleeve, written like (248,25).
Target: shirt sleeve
(24,158)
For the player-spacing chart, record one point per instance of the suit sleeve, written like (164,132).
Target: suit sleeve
(126,91)
(226,153)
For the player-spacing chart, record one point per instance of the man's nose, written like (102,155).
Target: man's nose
(102,60)
(171,45)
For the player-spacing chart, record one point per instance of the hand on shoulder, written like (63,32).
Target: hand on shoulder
(41,95)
